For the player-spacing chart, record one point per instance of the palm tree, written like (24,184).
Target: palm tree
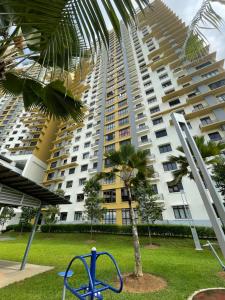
(209,151)
(55,38)
(131,166)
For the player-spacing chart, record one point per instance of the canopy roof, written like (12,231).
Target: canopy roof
(16,190)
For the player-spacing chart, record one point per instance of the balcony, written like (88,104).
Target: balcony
(205,109)
(211,124)
(140,118)
(92,171)
(142,129)
(145,142)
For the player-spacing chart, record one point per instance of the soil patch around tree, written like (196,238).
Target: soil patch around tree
(145,284)
(212,294)
(152,246)
(222,275)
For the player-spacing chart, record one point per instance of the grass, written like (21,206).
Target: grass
(185,269)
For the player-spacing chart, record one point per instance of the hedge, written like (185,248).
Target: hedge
(17,227)
(156,230)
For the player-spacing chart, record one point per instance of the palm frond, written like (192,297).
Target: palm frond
(206,17)
(58,35)
(53,99)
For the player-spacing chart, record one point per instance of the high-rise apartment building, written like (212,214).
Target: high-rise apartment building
(130,93)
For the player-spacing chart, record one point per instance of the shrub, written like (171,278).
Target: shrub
(17,227)
(182,231)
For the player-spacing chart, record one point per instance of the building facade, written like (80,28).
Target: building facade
(130,93)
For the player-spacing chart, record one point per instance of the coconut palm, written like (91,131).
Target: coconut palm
(131,166)
(209,151)
(56,39)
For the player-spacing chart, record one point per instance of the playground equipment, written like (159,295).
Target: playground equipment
(94,288)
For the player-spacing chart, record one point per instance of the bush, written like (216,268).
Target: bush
(182,231)
(18,227)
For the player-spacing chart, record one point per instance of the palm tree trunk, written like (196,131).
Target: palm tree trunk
(137,251)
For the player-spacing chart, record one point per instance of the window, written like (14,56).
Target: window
(221,97)
(75,148)
(53,164)
(174,102)
(110,148)
(165,148)
(123,111)
(161,133)
(147,83)
(144,139)
(84,168)
(63,216)
(110,216)
(69,184)
(210,74)
(126,216)
(181,212)
(123,121)
(110,117)
(150,91)
(163,76)
(198,106)
(85,155)
(110,137)
(215,136)
(77,215)
(145,77)
(166,84)
(82,181)
(157,121)
(11,139)
(50,176)
(109,196)
(73,158)
(152,100)
(72,171)
(175,188)
(110,126)
(122,103)
(87,144)
(206,120)
(154,109)
(77,139)
(89,126)
(217,84)
(56,154)
(203,65)
(124,194)
(168,166)
(110,108)
(109,180)
(80,197)
(88,134)
(160,70)
(124,132)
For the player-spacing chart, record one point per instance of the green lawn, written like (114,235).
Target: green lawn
(185,269)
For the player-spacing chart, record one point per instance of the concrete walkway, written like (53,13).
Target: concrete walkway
(10,272)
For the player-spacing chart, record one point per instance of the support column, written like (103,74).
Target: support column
(179,120)
(23,264)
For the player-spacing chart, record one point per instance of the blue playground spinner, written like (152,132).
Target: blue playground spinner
(94,288)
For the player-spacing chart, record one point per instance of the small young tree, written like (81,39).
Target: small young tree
(6,214)
(219,175)
(50,215)
(93,202)
(28,213)
(149,209)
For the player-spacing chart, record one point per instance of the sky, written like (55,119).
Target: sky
(186,10)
